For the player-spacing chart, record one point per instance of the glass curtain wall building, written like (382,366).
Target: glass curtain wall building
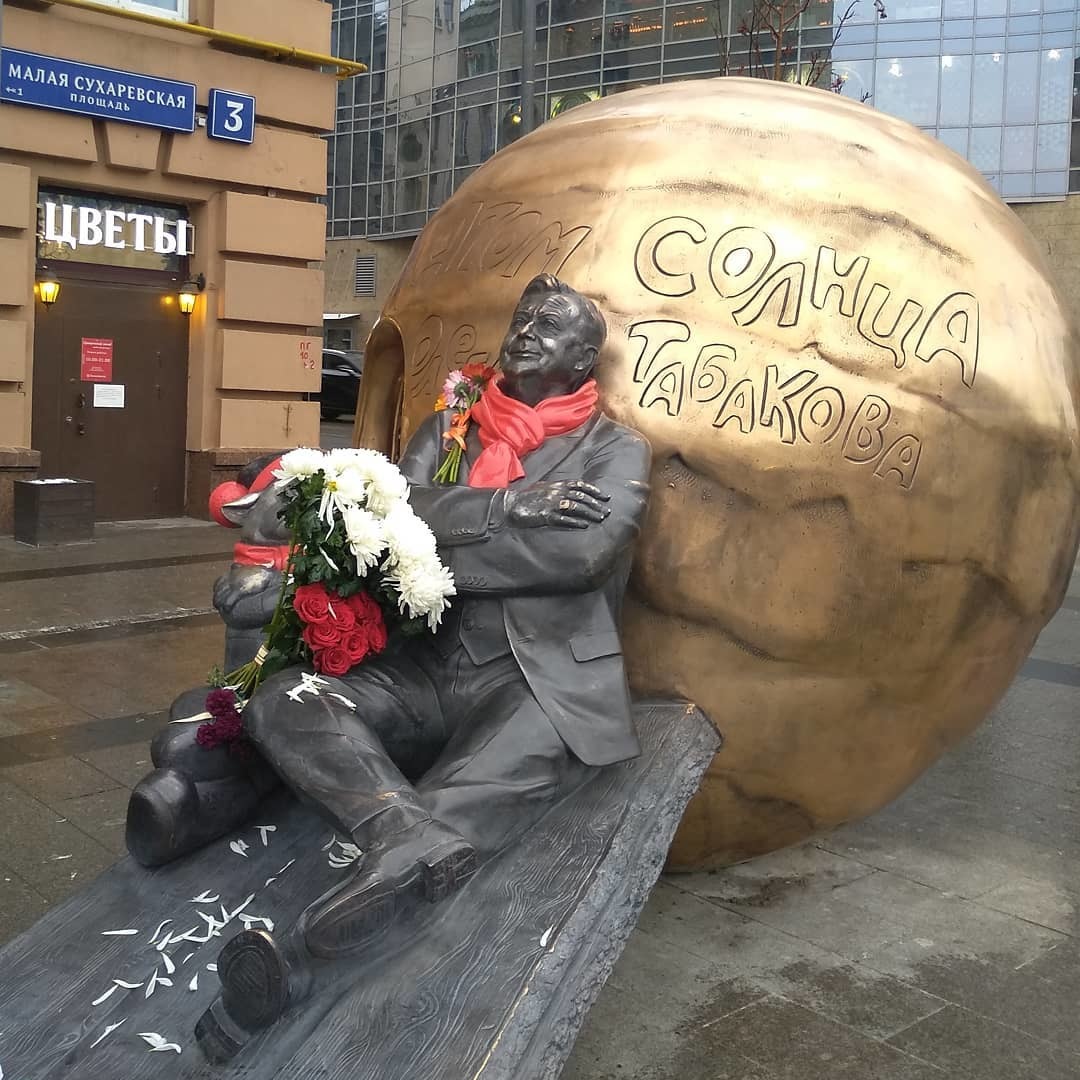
(452,81)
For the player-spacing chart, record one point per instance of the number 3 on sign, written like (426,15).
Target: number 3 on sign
(230,116)
(307,361)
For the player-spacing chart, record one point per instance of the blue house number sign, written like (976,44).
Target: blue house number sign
(231,116)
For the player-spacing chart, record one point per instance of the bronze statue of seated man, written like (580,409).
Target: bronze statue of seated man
(435,754)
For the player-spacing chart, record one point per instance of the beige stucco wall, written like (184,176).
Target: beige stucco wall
(260,233)
(340,278)
(1056,226)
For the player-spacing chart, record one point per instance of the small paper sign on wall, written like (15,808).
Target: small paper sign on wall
(96,360)
(109,396)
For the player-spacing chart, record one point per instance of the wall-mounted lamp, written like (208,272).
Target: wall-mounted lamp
(189,292)
(48,289)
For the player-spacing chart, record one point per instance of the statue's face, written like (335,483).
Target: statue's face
(545,352)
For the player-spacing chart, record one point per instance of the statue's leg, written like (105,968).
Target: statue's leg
(346,751)
(504,769)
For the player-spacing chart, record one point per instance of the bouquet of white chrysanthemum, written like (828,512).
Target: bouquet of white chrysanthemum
(362,565)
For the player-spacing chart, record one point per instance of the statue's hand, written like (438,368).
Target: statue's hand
(570,504)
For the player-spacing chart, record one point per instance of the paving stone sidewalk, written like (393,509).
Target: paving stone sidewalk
(936,939)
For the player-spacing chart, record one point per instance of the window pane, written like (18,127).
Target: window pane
(856,78)
(560,103)
(1051,183)
(412,148)
(633,30)
(1021,90)
(479,59)
(1017,186)
(908,88)
(955,139)
(1018,149)
(475,135)
(479,20)
(439,189)
(1052,146)
(985,152)
(689,22)
(575,10)
(412,194)
(914,9)
(1055,85)
(575,39)
(955,89)
(442,140)
(989,85)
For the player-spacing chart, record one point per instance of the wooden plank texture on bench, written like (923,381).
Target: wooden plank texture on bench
(494,983)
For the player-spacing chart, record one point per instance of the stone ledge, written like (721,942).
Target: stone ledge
(19,457)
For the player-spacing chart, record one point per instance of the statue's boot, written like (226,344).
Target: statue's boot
(194,795)
(255,989)
(170,815)
(428,861)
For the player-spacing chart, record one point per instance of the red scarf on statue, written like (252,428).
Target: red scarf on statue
(509,429)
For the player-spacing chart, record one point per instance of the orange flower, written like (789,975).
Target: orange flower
(478,371)
(440,404)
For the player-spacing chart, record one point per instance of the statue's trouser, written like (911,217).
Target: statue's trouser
(483,757)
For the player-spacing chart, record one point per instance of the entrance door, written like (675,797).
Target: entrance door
(134,451)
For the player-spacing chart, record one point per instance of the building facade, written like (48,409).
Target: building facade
(144,170)
(452,81)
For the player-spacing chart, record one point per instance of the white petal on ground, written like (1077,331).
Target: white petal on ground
(269,881)
(186,959)
(264,831)
(127,985)
(546,937)
(240,847)
(194,984)
(170,967)
(251,920)
(344,701)
(165,942)
(105,997)
(211,967)
(104,1035)
(157,1042)
(243,906)
(161,926)
(118,933)
(205,897)
(326,847)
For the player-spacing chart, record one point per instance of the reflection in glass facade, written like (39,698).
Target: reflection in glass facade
(452,81)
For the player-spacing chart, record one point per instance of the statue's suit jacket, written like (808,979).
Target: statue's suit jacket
(558,591)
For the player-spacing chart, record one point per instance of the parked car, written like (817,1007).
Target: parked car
(341,373)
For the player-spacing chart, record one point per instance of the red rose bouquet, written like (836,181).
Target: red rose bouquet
(361,566)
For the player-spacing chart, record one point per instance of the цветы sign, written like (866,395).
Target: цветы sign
(91,228)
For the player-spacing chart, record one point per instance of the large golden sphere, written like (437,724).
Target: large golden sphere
(860,385)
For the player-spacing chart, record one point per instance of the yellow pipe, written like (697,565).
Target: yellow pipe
(344,68)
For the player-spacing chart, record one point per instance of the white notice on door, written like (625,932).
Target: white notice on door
(108,395)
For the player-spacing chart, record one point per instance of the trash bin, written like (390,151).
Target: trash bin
(54,511)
